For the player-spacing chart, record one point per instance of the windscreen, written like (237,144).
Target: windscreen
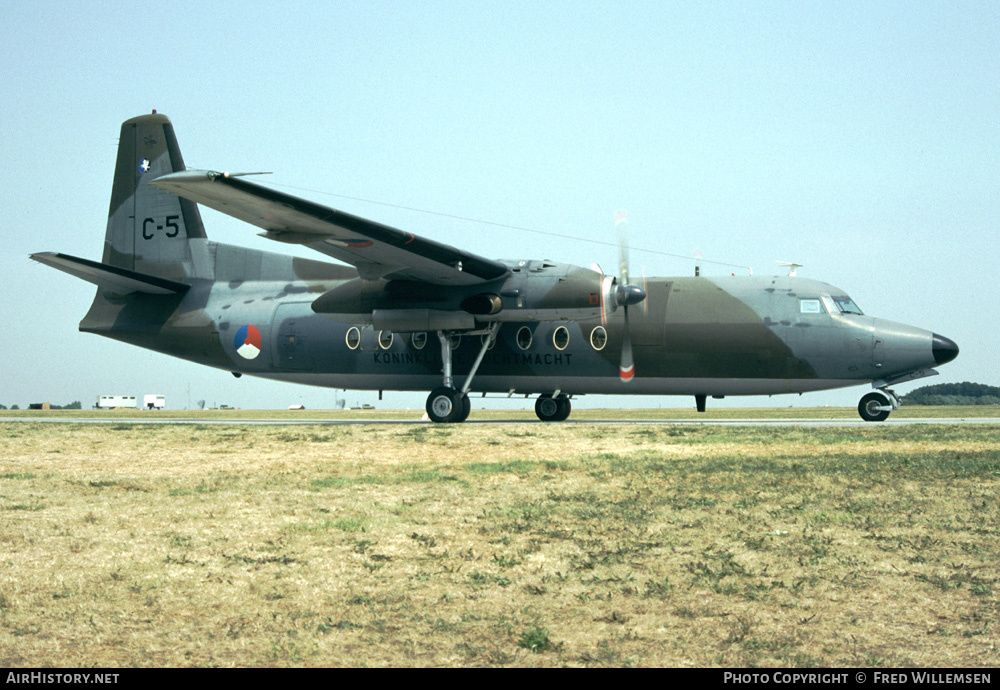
(846,305)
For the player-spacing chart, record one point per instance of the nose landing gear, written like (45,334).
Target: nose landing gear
(876,406)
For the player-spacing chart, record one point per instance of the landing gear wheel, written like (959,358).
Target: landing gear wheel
(547,408)
(466,409)
(564,408)
(869,406)
(551,409)
(446,405)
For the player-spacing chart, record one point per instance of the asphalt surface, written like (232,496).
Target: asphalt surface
(809,423)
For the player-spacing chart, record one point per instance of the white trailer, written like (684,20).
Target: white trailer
(154,402)
(109,402)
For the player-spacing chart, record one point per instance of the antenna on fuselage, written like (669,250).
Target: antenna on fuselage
(793,268)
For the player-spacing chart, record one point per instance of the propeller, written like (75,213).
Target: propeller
(624,295)
(645,287)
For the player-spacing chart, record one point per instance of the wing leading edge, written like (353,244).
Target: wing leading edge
(376,250)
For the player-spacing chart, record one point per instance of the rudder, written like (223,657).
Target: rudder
(150,230)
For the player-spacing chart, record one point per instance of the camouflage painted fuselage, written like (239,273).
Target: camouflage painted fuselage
(710,336)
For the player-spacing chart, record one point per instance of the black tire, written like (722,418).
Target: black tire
(551,409)
(445,405)
(866,408)
(466,409)
(564,408)
(547,408)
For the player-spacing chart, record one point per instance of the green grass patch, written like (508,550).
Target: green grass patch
(18,475)
(512,467)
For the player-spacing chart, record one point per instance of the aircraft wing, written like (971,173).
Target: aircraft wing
(376,250)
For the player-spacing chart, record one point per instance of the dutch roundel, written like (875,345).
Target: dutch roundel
(247,342)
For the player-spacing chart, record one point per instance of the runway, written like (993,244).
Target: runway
(807,423)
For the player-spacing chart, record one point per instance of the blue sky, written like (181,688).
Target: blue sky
(859,139)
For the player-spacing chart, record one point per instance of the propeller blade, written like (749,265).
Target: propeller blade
(626,369)
(621,224)
(625,295)
(645,288)
(600,292)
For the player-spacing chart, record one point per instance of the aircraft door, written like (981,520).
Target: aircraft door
(291,340)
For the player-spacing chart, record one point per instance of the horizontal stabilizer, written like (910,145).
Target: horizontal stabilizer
(113,278)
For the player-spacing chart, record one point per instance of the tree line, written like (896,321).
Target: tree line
(965,393)
(75,405)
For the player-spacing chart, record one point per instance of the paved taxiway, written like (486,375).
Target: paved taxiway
(809,423)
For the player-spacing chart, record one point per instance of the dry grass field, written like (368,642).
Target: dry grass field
(515,544)
(524,414)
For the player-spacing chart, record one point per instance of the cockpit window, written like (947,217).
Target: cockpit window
(846,305)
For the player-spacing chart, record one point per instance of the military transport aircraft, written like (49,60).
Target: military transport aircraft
(409,313)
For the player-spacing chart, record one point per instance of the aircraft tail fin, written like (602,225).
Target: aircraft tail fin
(113,279)
(151,231)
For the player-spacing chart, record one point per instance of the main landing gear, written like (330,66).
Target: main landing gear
(876,406)
(447,404)
(552,408)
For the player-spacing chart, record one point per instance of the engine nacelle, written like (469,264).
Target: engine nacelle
(533,291)
(421,320)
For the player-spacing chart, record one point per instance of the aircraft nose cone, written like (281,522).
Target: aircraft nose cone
(944,349)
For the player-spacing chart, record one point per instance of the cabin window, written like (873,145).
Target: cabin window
(353,337)
(385,339)
(598,338)
(524,338)
(454,341)
(810,306)
(418,340)
(560,338)
(485,338)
